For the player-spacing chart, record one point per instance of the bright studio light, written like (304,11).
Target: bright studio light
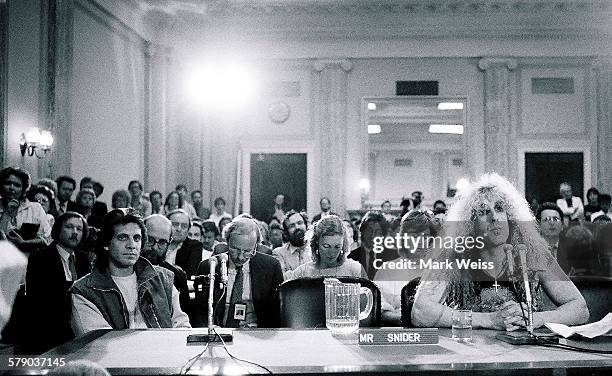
(220,86)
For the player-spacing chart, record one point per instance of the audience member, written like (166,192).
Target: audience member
(16,211)
(210,232)
(65,187)
(604,204)
(124,290)
(373,225)
(391,281)
(592,205)
(84,204)
(137,201)
(159,236)
(330,246)
(222,224)
(196,199)
(550,217)
(181,189)
(51,271)
(99,209)
(276,235)
(120,199)
(183,251)
(386,211)
(219,212)
(250,299)
(173,202)
(157,203)
(576,251)
(195,231)
(417,199)
(44,196)
(571,206)
(297,250)
(352,233)
(325,205)
(279,209)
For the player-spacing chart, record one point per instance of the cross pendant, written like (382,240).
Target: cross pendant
(496,285)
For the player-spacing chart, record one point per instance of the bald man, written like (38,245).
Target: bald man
(159,236)
(253,278)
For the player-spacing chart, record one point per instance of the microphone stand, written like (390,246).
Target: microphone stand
(214,335)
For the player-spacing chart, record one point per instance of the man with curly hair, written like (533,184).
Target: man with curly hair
(493,211)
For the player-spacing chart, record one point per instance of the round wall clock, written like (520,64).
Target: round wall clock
(279,112)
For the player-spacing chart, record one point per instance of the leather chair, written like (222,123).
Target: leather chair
(596,291)
(302,302)
(408,293)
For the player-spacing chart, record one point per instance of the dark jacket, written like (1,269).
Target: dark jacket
(266,276)
(180,282)
(188,257)
(48,299)
(98,212)
(154,295)
(358,254)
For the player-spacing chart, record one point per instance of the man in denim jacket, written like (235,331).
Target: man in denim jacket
(124,290)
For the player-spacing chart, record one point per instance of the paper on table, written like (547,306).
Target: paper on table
(592,330)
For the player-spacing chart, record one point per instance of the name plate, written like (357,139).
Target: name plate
(398,336)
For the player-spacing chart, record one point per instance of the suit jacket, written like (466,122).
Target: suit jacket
(567,211)
(359,255)
(48,298)
(188,257)
(98,212)
(266,276)
(180,282)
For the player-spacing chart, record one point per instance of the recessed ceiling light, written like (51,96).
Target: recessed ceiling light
(446,128)
(450,106)
(371,106)
(373,128)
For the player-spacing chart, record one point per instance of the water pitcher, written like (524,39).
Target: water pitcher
(342,313)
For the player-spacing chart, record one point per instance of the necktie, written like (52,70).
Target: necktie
(72,267)
(236,297)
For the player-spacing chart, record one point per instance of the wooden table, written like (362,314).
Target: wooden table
(287,351)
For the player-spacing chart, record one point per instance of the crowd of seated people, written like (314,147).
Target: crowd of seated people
(137,265)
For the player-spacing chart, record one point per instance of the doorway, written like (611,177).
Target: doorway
(277,173)
(544,172)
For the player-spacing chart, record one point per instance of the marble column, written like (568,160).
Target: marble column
(500,121)
(603,75)
(58,91)
(157,64)
(330,114)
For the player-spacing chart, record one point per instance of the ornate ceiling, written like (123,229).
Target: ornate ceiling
(380,19)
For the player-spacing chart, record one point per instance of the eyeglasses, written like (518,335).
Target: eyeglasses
(551,219)
(162,243)
(246,253)
(177,225)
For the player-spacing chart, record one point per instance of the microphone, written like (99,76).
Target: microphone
(522,250)
(223,260)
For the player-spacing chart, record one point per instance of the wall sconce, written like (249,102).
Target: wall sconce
(35,142)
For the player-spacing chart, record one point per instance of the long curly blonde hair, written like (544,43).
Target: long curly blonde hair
(461,223)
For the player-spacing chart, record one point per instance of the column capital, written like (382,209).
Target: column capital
(320,64)
(487,62)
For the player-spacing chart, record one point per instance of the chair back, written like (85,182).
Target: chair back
(596,291)
(408,293)
(302,302)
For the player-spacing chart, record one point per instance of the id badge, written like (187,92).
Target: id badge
(240,312)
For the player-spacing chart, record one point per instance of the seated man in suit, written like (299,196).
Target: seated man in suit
(51,272)
(253,277)
(184,252)
(124,291)
(159,236)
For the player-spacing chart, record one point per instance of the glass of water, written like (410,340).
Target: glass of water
(462,325)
